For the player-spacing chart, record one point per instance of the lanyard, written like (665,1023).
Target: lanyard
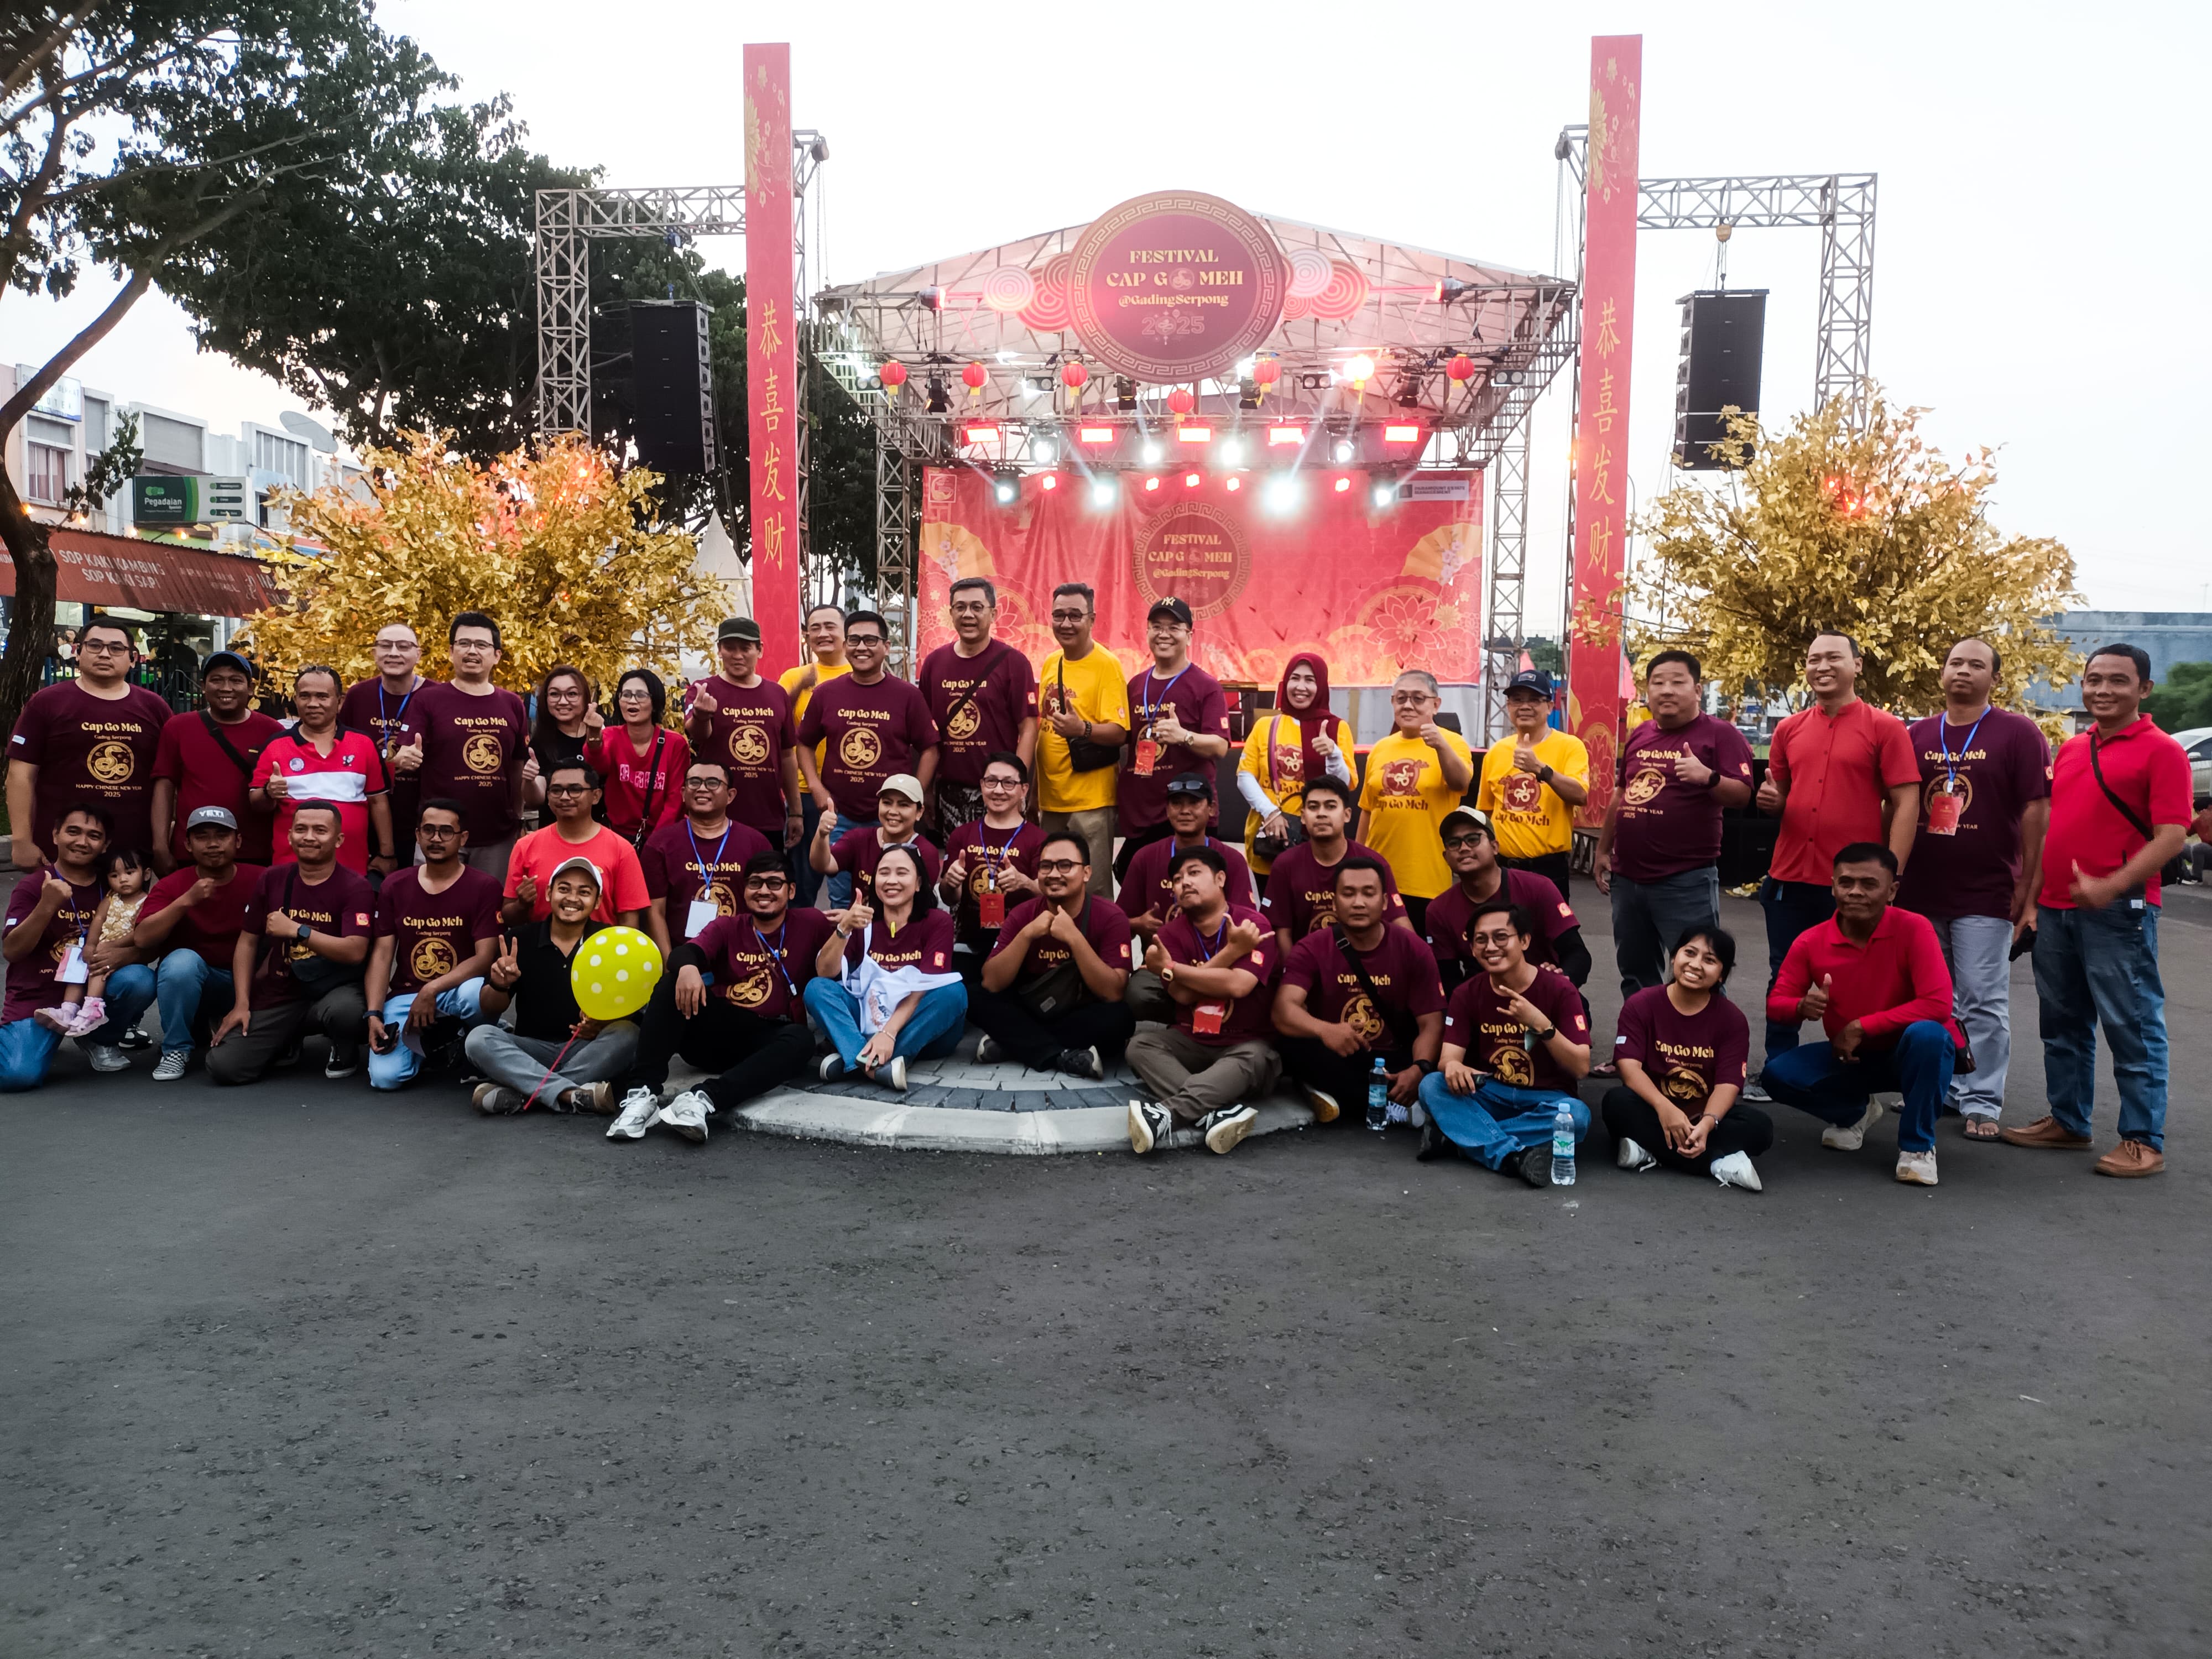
(78,919)
(1951,766)
(384,720)
(1220,939)
(1151,708)
(707,871)
(775,955)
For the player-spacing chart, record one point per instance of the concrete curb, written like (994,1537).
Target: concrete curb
(856,1122)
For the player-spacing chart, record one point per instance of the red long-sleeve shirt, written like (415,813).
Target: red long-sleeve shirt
(1896,977)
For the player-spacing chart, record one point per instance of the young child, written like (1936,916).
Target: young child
(129,878)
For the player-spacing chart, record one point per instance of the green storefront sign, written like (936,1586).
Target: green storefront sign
(158,498)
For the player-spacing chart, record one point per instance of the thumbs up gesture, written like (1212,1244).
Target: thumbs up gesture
(1815,1003)
(409,757)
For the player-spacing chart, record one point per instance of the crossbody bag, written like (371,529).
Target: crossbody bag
(1403,1027)
(1082,755)
(1265,846)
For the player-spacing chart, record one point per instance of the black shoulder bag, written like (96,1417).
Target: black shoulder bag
(1264,845)
(652,783)
(1403,1028)
(214,731)
(1082,755)
(315,974)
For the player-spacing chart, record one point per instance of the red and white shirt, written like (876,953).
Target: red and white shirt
(345,778)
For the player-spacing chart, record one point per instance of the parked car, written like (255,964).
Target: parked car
(2196,743)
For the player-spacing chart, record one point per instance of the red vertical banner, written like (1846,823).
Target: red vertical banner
(1595,702)
(771,355)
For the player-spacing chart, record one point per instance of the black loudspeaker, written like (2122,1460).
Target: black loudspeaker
(1724,335)
(672,387)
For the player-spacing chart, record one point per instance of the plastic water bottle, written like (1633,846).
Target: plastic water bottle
(1378,1097)
(1562,1149)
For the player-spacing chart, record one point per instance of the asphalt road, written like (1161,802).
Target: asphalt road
(296,1371)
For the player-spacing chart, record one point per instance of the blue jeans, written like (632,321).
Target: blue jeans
(932,1031)
(1791,908)
(26,1049)
(129,994)
(1812,1078)
(840,882)
(398,1067)
(1498,1121)
(803,875)
(2101,967)
(182,982)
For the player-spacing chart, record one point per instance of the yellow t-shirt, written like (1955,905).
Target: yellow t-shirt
(1288,791)
(789,678)
(1408,799)
(1098,691)
(1530,819)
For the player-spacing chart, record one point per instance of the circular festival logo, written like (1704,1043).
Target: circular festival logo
(967,721)
(748,745)
(1521,792)
(752,990)
(860,749)
(432,956)
(1359,1014)
(1196,554)
(1402,778)
(482,754)
(1684,1085)
(111,761)
(60,949)
(1174,286)
(1514,1066)
(1644,787)
(718,894)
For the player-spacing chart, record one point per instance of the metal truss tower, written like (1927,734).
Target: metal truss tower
(1509,577)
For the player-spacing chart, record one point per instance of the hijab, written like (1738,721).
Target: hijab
(1316,721)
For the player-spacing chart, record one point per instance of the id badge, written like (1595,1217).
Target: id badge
(1206,1018)
(991,907)
(1148,755)
(696,919)
(1943,814)
(72,971)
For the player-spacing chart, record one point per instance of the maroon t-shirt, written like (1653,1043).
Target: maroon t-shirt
(1246,1018)
(31,981)
(212,927)
(1478,1021)
(1972,872)
(859,851)
(1687,1055)
(393,722)
(764,974)
(1400,968)
(468,744)
(1149,885)
(433,933)
(191,758)
(1196,697)
(748,731)
(989,850)
(679,864)
(1100,921)
(92,752)
(1004,694)
(342,907)
(1302,890)
(1451,917)
(1667,826)
(926,941)
(872,732)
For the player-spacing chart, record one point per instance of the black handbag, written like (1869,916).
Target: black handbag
(1267,847)
(1082,755)
(315,974)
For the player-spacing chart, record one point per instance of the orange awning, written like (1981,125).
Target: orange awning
(99,569)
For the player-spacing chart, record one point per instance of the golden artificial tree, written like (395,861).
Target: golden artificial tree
(550,541)
(1862,528)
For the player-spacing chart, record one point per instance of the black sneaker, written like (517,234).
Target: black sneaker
(1433,1144)
(290,1057)
(1150,1126)
(1223,1129)
(134,1038)
(344,1060)
(1534,1165)
(1083,1062)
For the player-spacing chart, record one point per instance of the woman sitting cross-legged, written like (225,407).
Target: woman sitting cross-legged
(1681,1049)
(895,995)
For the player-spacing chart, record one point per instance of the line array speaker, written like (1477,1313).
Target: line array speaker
(1724,335)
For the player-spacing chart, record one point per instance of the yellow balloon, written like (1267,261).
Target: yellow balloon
(613,973)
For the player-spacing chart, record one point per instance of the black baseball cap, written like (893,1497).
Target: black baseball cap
(738,627)
(228,660)
(1175,608)
(1189,783)
(1534,680)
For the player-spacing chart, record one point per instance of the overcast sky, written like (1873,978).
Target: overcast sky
(2040,251)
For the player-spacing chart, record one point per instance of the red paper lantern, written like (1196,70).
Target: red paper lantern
(1461,367)
(893,376)
(975,375)
(1074,376)
(1266,371)
(1180,401)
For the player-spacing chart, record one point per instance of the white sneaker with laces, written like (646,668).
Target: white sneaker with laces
(986,1051)
(106,1057)
(1735,1170)
(1225,1129)
(893,1076)
(171,1065)
(687,1116)
(1917,1168)
(1150,1126)
(640,1107)
(1631,1154)
(1849,1137)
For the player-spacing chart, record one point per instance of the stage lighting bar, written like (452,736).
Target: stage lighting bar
(1279,435)
(1401,434)
(1097,434)
(1194,434)
(975,433)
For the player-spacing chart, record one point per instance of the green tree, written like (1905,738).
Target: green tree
(2184,697)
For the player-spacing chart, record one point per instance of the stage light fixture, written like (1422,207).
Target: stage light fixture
(1248,393)
(1094,435)
(1446,289)
(983,433)
(1152,453)
(1231,450)
(1279,435)
(1343,484)
(932,299)
(1152,482)
(1192,480)
(1281,494)
(1401,434)
(1409,391)
(1050,480)
(1005,487)
(939,400)
(1043,448)
(1124,393)
(1360,369)
(1232,483)
(1194,434)
(1342,451)
(1386,494)
(1102,492)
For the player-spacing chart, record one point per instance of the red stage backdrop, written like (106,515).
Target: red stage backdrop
(1594,703)
(771,354)
(1374,590)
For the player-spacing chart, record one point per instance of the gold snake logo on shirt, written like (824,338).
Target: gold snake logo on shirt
(1513,1066)
(753,989)
(966,721)
(860,749)
(1359,1014)
(111,761)
(718,894)
(748,745)
(482,754)
(430,957)
(1521,792)
(1644,787)
(1684,1085)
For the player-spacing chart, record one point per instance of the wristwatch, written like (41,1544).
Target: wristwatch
(302,935)
(1545,1037)
(1543,775)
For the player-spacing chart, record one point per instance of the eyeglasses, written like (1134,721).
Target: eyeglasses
(990,782)
(635,694)
(102,649)
(436,831)
(762,883)
(1059,867)
(1070,616)
(1414,697)
(702,783)
(1453,843)
(976,609)
(864,639)
(474,645)
(568,788)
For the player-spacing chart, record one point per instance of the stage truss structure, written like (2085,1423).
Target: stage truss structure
(1420,310)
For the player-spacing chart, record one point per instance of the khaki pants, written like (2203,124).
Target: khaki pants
(1095,829)
(1191,1079)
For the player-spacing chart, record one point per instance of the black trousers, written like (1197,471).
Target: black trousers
(1629,1116)
(1105,1026)
(1311,1062)
(1134,841)
(749,1056)
(1557,865)
(339,1014)
(1416,912)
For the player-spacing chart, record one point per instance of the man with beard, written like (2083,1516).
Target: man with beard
(695,868)
(1051,988)
(437,929)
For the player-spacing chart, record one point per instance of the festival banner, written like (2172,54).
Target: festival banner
(1374,589)
(1594,701)
(1176,286)
(771,355)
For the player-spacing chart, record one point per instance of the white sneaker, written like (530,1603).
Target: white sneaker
(1631,1154)
(988,1051)
(1225,1129)
(171,1065)
(1840,1138)
(1917,1168)
(1755,1092)
(687,1116)
(832,1068)
(893,1075)
(640,1107)
(1150,1126)
(1735,1170)
(106,1057)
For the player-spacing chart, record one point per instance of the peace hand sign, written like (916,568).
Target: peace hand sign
(505,969)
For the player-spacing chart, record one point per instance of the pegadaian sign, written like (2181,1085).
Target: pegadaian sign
(1176,286)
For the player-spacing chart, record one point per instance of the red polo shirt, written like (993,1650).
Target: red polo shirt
(1837,770)
(2145,768)
(1896,977)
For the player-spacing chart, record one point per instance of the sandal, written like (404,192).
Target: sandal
(1981,1128)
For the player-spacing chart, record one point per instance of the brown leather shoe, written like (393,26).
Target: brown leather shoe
(2130,1157)
(2047,1132)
